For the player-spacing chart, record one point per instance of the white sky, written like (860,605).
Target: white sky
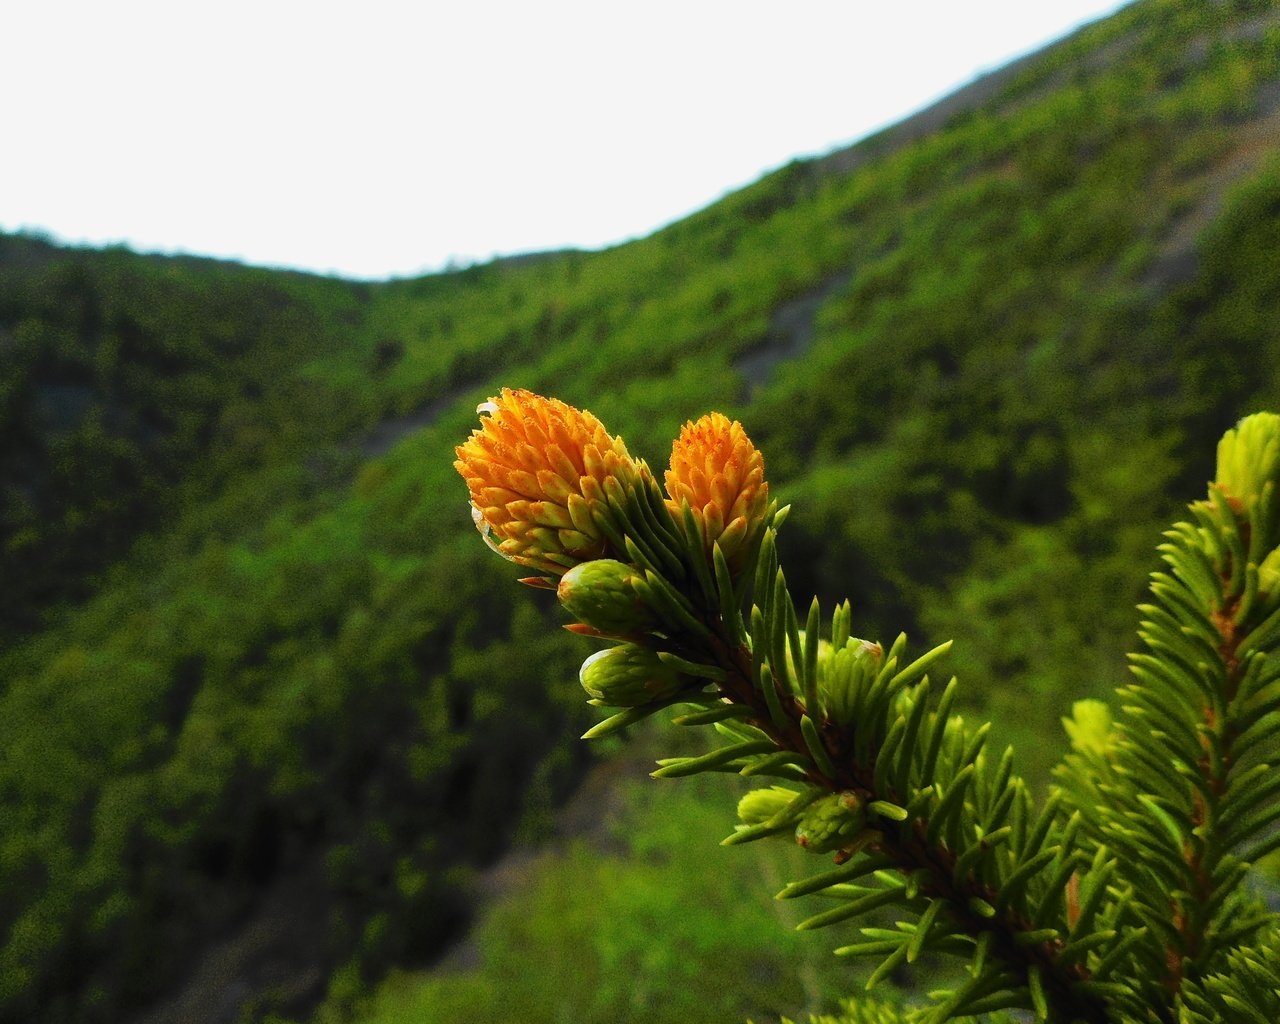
(385,138)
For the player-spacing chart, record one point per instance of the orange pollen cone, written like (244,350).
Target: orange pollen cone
(720,473)
(535,468)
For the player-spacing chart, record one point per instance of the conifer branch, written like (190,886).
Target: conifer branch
(1181,782)
(1120,898)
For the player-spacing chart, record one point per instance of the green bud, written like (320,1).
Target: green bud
(1249,477)
(832,822)
(824,657)
(599,594)
(867,651)
(760,805)
(1249,456)
(1269,572)
(846,674)
(1089,728)
(629,676)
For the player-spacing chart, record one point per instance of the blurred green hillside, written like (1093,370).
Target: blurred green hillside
(267,702)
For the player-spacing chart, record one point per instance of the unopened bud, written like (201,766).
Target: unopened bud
(1249,477)
(867,649)
(629,676)
(1269,572)
(846,674)
(824,657)
(599,594)
(1090,727)
(760,805)
(1249,457)
(832,822)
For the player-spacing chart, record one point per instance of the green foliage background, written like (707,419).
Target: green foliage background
(249,635)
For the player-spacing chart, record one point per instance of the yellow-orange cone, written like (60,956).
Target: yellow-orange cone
(720,473)
(535,468)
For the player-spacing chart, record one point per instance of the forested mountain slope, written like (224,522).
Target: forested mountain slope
(250,636)
(129,384)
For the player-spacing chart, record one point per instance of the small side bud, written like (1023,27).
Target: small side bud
(760,805)
(832,822)
(1248,476)
(825,652)
(629,676)
(845,673)
(599,594)
(1249,457)
(868,649)
(1090,728)
(1269,572)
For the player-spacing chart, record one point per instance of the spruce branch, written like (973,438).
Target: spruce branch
(1247,989)
(1117,899)
(1181,783)
(947,841)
